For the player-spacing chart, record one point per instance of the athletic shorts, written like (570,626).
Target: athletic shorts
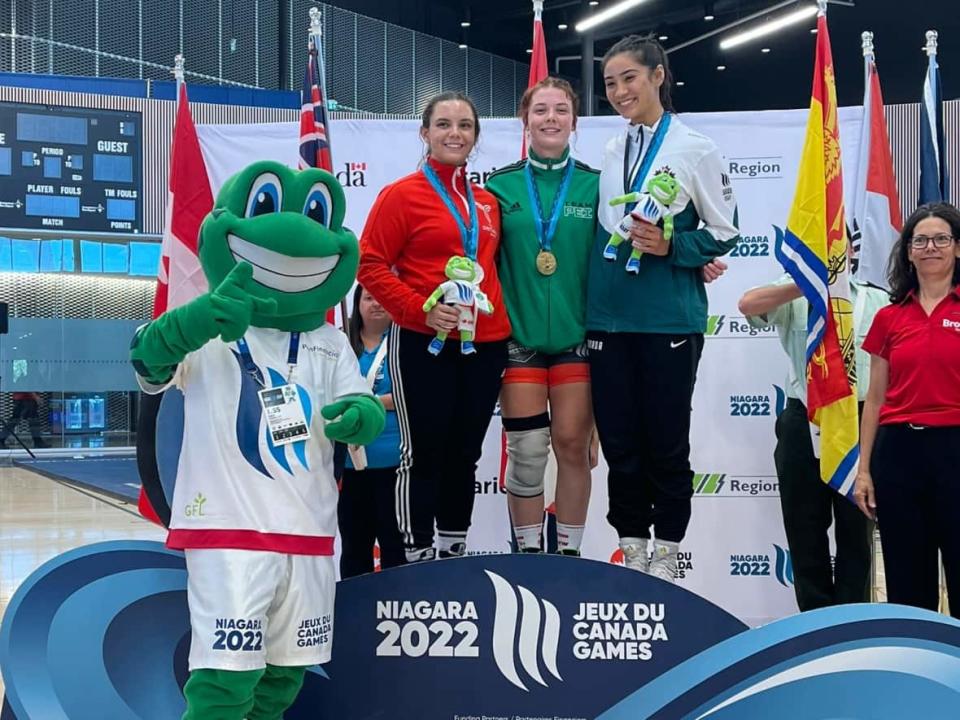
(250,607)
(531,366)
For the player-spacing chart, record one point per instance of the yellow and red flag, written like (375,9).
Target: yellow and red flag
(814,252)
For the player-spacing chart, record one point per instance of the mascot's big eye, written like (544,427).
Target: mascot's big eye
(318,205)
(265,195)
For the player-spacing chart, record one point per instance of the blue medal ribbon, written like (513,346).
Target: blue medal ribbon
(546,229)
(648,157)
(468,235)
(250,366)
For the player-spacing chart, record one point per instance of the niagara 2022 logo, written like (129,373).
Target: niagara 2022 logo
(435,629)
(760,565)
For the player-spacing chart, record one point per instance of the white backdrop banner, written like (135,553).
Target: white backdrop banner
(735,551)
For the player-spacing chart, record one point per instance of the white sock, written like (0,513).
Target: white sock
(529,537)
(569,537)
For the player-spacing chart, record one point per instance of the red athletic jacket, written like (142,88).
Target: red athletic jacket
(410,235)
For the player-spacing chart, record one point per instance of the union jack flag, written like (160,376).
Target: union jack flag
(314,141)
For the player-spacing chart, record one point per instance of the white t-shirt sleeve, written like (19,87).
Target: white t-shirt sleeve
(346,378)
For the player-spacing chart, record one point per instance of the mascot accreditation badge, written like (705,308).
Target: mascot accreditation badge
(286,420)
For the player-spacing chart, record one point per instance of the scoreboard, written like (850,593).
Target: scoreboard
(70,169)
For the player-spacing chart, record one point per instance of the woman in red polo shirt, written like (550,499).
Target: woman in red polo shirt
(444,393)
(910,435)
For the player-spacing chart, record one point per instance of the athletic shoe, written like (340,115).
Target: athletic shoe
(635,553)
(415,555)
(458,549)
(664,562)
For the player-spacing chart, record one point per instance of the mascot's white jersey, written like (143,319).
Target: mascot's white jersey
(235,489)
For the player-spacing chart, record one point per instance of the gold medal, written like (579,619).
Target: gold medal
(546,262)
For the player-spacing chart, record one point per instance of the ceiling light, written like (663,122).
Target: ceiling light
(462,46)
(465,23)
(813,31)
(606,14)
(663,37)
(529,51)
(680,83)
(594,3)
(764,50)
(708,12)
(562,26)
(721,67)
(769,27)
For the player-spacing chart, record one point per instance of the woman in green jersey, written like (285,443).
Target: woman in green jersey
(548,208)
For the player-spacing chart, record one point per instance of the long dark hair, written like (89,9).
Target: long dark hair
(647,51)
(355,325)
(901,273)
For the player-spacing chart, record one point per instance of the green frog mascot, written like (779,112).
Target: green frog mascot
(267,387)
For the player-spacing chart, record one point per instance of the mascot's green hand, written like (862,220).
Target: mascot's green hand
(232,306)
(357,419)
(161,345)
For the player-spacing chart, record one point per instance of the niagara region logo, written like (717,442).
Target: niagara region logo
(708,483)
(527,642)
(729,326)
(756,168)
(723,484)
(715,324)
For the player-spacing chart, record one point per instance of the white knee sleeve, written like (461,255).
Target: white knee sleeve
(526,461)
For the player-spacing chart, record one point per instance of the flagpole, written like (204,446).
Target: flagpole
(315,43)
(931,47)
(177,72)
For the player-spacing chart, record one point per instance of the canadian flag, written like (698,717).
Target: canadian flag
(876,205)
(189,199)
(180,277)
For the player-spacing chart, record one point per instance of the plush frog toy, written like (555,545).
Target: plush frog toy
(652,206)
(462,291)
(255,502)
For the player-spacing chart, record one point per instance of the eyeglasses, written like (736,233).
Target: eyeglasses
(920,242)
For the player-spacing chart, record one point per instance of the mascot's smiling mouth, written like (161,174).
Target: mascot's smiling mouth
(282,272)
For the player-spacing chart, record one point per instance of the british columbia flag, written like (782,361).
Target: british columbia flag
(314,141)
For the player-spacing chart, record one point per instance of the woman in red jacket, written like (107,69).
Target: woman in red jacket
(444,392)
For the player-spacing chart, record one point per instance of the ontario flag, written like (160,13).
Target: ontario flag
(876,204)
(314,141)
(814,252)
(180,279)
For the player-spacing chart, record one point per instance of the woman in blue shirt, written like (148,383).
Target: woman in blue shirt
(366,511)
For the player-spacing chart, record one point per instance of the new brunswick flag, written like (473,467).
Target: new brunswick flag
(814,252)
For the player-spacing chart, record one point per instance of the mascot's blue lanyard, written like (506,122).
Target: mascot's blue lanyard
(251,367)
(648,157)
(468,235)
(547,228)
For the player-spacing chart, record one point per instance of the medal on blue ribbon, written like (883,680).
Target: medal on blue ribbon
(547,227)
